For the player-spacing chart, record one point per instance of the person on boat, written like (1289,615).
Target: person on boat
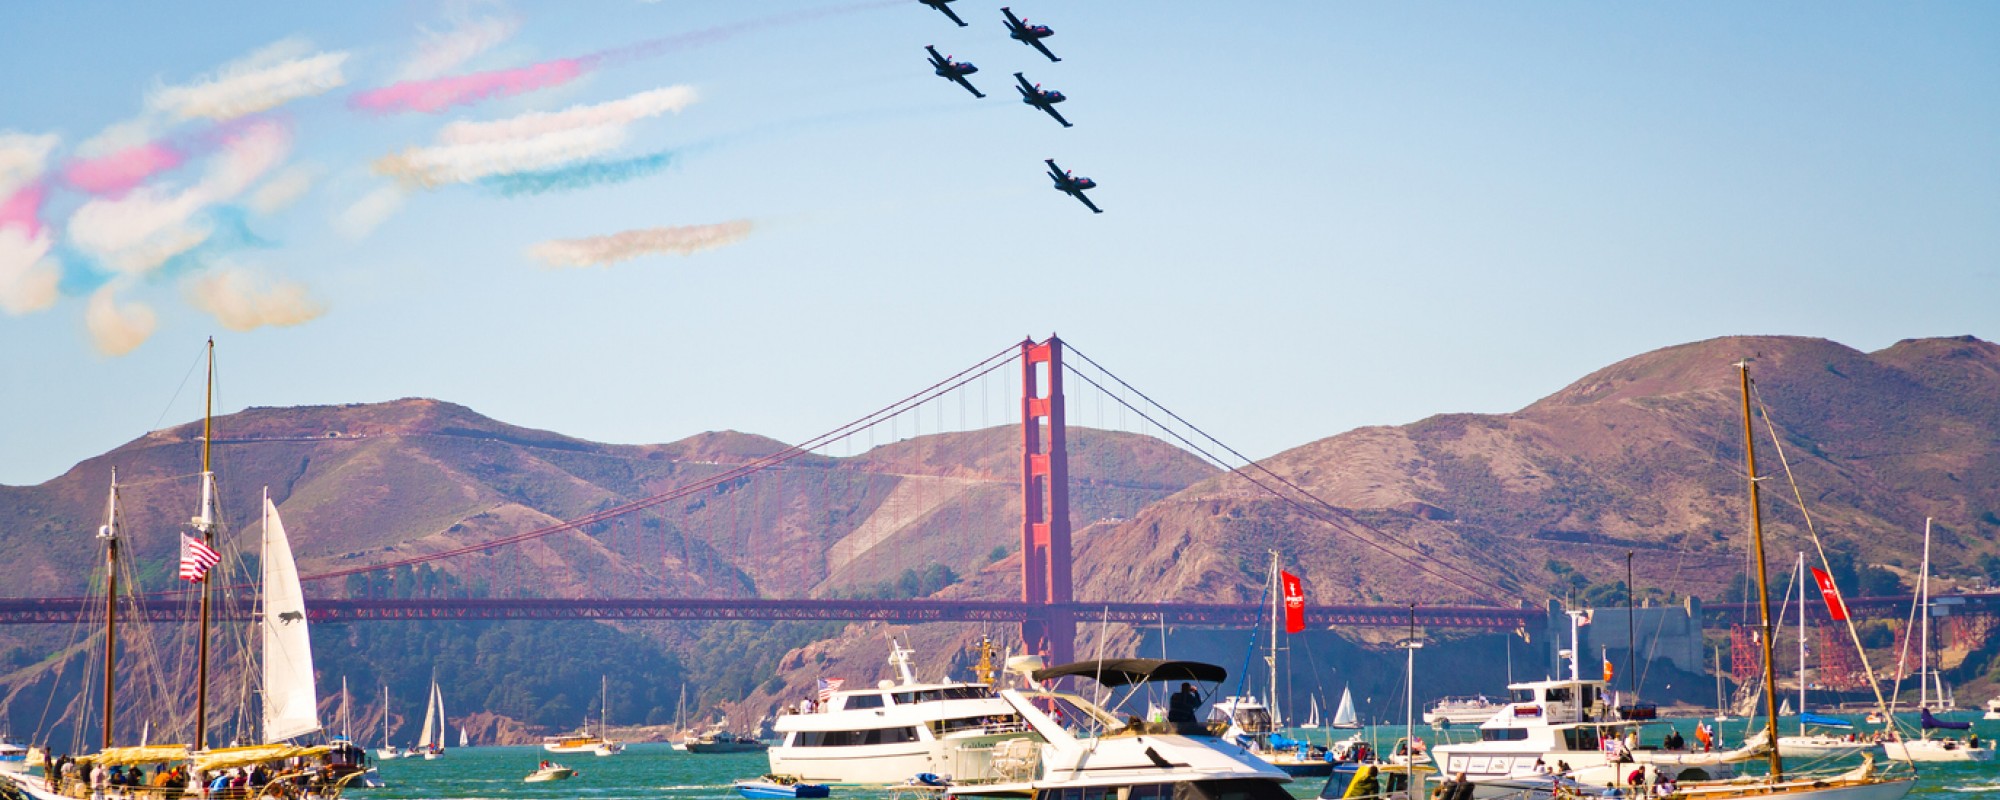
(1182,706)
(1972,741)
(1675,741)
(1542,767)
(1563,768)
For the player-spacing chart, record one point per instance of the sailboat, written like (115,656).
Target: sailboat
(430,742)
(387,752)
(1344,717)
(1312,718)
(1929,748)
(464,737)
(1254,724)
(1861,783)
(1808,744)
(1721,706)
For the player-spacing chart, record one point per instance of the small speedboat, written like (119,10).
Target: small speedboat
(780,786)
(550,771)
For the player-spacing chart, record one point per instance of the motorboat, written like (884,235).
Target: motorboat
(897,729)
(722,741)
(775,787)
(1992,709)
(1245,722)
(584,741)
(13,757)
(549,771)
(1462,711)
(1126,759)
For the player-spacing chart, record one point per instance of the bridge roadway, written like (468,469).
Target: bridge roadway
(20,611)
(56,610)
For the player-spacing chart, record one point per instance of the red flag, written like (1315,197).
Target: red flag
(1826,590)
(1607,670)
(1295,603)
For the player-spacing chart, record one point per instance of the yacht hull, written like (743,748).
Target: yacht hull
(1935,750)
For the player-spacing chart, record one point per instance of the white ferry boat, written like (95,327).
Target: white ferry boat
(896,731)
(1129,760)
(1462,711)
(1568,722)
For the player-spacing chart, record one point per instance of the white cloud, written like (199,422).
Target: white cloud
(23,158)
(137,233)
(277,74)
(116,328)
(28,277)
(245,300)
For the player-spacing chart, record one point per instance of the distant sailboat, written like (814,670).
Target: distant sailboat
(464,738)
(387,751)
(1344,717)
(1312,718)
(431,741)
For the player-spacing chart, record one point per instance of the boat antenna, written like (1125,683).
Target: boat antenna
(1631,637)
(1763,584)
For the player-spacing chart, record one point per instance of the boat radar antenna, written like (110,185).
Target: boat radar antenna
(899,657)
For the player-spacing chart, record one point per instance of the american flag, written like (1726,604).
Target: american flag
(196,559)
(827,686)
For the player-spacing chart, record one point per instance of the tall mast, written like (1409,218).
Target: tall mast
(1924,611)
(205,524)
(1763,587)
(109,533)
(1277,601)
(1800,581)
(1410,647)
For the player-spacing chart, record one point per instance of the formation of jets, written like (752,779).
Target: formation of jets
(1032,94)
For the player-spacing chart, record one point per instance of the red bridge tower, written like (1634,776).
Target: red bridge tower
(1045,554)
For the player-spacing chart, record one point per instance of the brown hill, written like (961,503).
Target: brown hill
(1643,456)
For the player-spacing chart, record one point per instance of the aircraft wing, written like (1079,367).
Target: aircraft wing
(1059,117)
(1013,22)
(967,84)
(1025,85)
(1037,44)
(950,13)
(1086,202)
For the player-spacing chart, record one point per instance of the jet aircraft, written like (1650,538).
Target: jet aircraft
(1073,186)
(1044,99)
(953,70)
(941,5)
(1030,35)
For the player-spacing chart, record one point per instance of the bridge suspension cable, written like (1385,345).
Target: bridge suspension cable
(1319,509)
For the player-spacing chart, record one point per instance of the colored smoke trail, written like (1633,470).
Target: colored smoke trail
(28,277)
(23,209)
(116,328)
(438,94)
(243,300)
(579,176)
(470,151)
(626,245)
(115,174)
(270,77)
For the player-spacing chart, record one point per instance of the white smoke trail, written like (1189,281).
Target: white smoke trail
(606,250)
(277,74)
(28,278)
(440,53)
(137,233)
(114,327)
(623,111)
(368,213)
(283,189)
(469,151)
(23,158)
(244,300)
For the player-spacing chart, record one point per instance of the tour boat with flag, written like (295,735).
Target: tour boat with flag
(584,741)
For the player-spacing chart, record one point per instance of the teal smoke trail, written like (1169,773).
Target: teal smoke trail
(580,176)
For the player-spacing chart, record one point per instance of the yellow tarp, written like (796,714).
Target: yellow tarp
(230,757)
(128,756)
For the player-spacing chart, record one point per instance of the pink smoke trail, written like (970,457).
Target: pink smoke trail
(115,174)
(23,208)
(439,94)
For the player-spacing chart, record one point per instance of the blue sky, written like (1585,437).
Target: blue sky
(1318,215)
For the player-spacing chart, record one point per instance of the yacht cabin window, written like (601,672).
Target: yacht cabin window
(1524,695)
(1502,734)
(854,738)
(1580,738)
(855,701)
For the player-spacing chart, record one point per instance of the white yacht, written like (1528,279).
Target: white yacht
(1247,723)
(1126,760)
(1992,709)
(896,731)
(1568,722)
(1462,711)
(13,757)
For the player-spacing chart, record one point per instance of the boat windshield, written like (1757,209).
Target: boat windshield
(1074,713)
(1241,789)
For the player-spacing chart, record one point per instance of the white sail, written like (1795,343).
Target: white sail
(464,738)
(291,706)
(1343,717)
(431,734)
(1312,719)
